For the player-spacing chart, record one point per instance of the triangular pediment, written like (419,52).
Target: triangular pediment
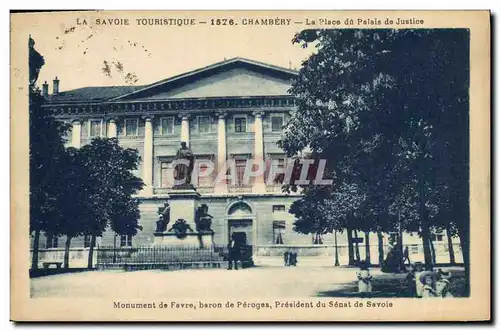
(232,78)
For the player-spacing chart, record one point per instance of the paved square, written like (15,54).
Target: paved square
(259,282)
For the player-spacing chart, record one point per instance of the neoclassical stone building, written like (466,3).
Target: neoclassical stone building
(233,109)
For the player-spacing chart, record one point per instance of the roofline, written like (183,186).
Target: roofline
(209,67)
(105,102)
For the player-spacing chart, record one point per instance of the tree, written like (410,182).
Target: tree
(78,211)
(386,120)
(46,145)
(111,176)
(335,93)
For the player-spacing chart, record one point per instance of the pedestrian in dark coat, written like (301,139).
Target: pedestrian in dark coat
(234,253)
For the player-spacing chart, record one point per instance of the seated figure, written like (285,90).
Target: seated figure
(203,219)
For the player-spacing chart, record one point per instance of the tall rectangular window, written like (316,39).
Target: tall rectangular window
(52,241)
(167,125)
(167,174)
(280,177)
(274,167)
(317,239)
(276,123)
(204,181)
(125,241)
(95,129)
(203,124)
(131,127)
(86,241)
(240,124)
(278,232)
(240,170)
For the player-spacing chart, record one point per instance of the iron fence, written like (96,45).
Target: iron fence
(165,256)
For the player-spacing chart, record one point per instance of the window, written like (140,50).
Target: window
(125,241)
(276,123)
(131,127)
(279,177)
(167,174)
(86,241)
(52,241)
(95,128)
(275,167)
(240,171)
(203,124)
(437,237)
(240,124)
(414,249)
(204,181)
(317,239)
(278,232)
(278,208)
(167,125)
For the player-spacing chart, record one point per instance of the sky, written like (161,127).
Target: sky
(76,53)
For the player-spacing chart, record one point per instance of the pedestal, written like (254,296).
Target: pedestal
(183,204)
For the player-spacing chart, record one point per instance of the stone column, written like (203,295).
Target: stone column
(259,185)
(112,128)
(76,134)
(147,164)
(221,150)
(185,128)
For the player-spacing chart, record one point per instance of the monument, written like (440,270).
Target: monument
(191,223)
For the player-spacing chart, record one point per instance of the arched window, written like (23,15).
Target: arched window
(240,209)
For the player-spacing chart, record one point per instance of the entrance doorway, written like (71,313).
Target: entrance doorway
(242,230)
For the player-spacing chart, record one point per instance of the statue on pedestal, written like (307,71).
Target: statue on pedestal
(184,171)
(203,219)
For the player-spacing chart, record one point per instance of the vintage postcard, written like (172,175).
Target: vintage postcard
(250,166)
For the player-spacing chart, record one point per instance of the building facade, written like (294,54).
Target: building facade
(232,110)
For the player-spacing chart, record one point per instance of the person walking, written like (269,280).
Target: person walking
(234,253)
(406,256)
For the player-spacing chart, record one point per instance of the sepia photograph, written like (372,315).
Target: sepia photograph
(266,162)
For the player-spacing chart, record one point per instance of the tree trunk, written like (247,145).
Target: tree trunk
(380,248)
(356,247)
(450,246)
(350,247)
(66,252)
(367,248)
(433,251)
(424,224)
(427,249)
(91,252)
(337,263)
(34,257)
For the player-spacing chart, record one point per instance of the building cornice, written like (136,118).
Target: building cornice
(175,106)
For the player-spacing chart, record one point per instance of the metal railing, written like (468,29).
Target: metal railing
(160,254)
(164,255)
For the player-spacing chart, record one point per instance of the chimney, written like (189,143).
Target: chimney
(45,89)
(56,86)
